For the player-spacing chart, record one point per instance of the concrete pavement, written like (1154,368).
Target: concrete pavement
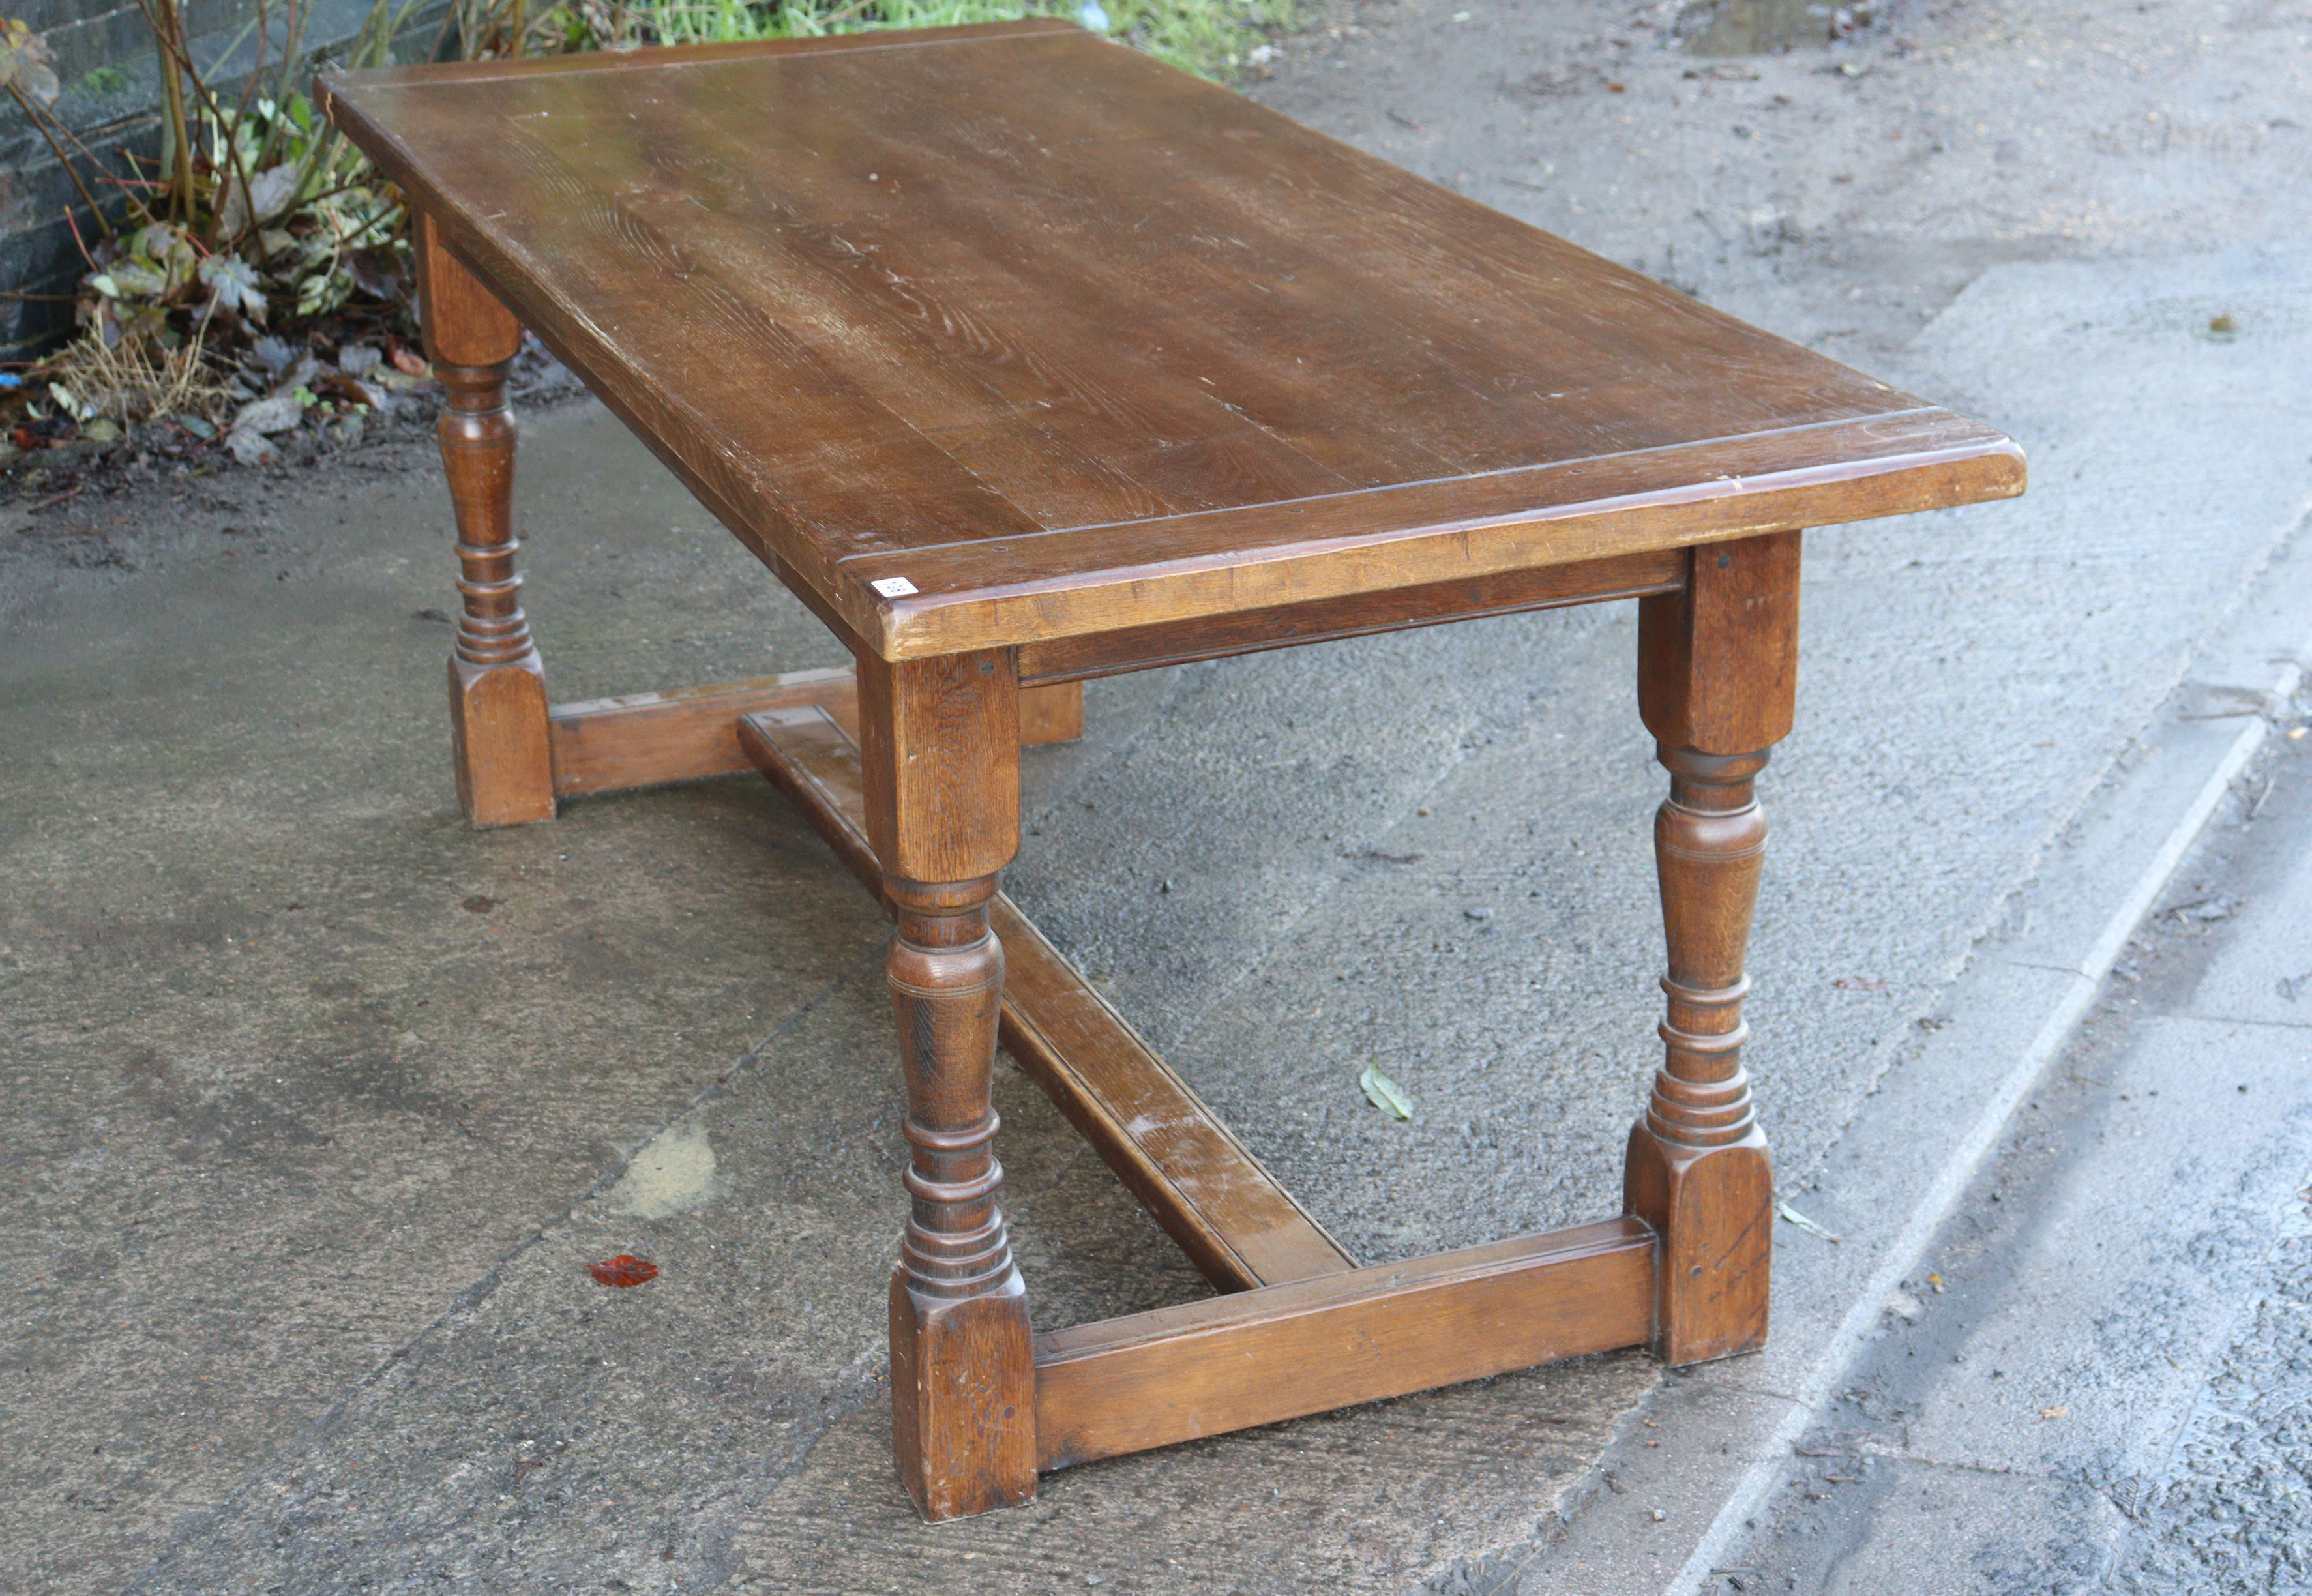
(320,1103)
(2096,1380)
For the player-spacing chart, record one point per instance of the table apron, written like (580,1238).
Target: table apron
(1355,615)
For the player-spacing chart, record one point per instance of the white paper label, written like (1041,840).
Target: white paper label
(893,587)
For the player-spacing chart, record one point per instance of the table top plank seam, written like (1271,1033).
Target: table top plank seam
(864,278)
(1376,200)
(988,241)
(1091,249)
(568,306)
(1445,329)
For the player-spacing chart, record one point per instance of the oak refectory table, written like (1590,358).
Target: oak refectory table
(1022,359)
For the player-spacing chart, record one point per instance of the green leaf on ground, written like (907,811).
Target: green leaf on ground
(1792,1216)
(1385,1094)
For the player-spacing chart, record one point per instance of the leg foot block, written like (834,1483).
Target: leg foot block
(499,734)
(1714,1210)
(963,1398)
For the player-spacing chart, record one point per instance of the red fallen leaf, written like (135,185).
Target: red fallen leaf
(623,1270)
(406,361)
(1860,983)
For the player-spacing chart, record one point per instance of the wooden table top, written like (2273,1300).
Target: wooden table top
(1066,340)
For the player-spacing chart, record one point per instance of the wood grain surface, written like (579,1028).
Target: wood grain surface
(646,740)
(641,740)
(1232,1218)
(1051,714)
(1051,340)
(939,762)
(1206,1368)
(1067,659)
(1717,684)
(499,740)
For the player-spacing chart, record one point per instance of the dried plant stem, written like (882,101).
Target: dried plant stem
(129,383)
(168,29)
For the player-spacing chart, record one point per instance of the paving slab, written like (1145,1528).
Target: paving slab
(2096,1382)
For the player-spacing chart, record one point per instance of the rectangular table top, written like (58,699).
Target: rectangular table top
(1047,339)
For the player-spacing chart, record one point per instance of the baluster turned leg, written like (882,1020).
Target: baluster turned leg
(940,756)
(498,685)
(1717,666)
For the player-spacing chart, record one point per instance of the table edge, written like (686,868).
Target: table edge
(1987,467)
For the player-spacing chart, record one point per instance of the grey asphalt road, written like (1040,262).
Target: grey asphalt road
(320,1103)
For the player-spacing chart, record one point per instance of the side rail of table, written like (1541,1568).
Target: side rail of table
(1303,1330)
